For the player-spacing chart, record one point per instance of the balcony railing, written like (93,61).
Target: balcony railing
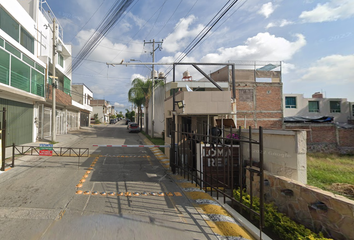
(49,15)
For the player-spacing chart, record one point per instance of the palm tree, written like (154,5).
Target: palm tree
(138,100)
(141,91)
(143,88)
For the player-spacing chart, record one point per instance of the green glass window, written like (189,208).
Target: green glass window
(334,106)
(4,67)
(290,102)
(20,74)
(50,81)
(40,68)
(60,60)
(12,50)
(67,84)
(314,106)
(28,60)
(27,40)
(37,83)
(9,25)
(1,42)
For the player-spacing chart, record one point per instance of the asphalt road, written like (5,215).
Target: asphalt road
(72,198)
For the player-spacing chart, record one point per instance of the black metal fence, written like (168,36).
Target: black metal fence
(217,163)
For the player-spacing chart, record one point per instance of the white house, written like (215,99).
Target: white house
(298,105)
(26,67)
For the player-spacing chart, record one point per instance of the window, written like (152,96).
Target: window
(67,85)
(37,83)
(4,67)
(20,74)
(290,102)
(314,106)
(12,50)
(13,29)
(28,60)
(9,25)
(60,60)
(27,40)
(334,106)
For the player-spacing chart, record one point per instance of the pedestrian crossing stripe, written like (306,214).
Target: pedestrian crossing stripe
(129,194)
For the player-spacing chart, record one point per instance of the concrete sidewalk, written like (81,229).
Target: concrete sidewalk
(222,219)
(65,140)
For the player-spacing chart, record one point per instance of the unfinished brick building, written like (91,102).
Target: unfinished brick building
(258,94)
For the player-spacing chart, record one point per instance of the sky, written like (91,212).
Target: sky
(313,39)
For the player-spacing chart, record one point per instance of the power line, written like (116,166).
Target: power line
(201,35)
(111,19)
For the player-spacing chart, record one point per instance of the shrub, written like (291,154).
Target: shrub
(278,223)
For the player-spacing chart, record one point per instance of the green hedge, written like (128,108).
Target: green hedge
(278,223)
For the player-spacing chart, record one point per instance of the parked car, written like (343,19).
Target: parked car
(112,121)
(133,127)
(127,121)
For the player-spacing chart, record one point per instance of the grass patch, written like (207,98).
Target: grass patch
(155,141)
(325,171)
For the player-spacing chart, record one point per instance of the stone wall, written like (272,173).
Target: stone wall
(317,209)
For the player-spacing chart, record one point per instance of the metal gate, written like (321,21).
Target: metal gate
(19,117)
(2,137)
(215,162)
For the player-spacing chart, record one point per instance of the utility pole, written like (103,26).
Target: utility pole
(153,81)
(54,130)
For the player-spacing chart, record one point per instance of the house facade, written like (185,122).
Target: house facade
(81,98)
(339,108)
(204,106)
(26,67)
(102,108)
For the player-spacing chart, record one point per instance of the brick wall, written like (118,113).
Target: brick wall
(326,137)
(259,104)
(60,97)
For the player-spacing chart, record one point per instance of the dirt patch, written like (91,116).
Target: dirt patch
(344,188)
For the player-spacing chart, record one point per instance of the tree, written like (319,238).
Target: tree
(141,87)
(137,97)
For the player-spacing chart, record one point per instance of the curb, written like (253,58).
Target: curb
(222,223)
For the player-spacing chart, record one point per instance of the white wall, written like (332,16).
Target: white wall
(159,115)
(284,152)
(324,105)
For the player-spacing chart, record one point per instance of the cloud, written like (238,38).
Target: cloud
(263,46)
(118,105)
(329,11)
(108,51)
(181,35)
(267,9)
(333,69)
(138,76)
(280,23)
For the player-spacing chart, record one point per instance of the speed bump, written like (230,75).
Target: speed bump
(95,193)
(87,192)
(79,185)
(79,192)
(103,193)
